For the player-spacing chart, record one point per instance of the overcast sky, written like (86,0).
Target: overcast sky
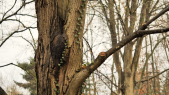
(15,49)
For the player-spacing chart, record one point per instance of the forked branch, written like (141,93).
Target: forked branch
(139,33)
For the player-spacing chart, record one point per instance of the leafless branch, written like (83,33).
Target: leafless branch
(5,18)
(21,68)
(14,33)
(139,33)
(89,48)
(107,84)
(9,10)
(29,43)
(27,15)
(153,76)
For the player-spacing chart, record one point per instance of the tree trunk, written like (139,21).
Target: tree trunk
(59,54)
(2,92)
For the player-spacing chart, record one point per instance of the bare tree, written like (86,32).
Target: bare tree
(8,16)
(59,54)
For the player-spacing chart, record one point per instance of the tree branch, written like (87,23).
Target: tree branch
(152,77)
(27,15)
(139,33)
(3,19)
(21,68)
(9,9)
(107,78)
(6,65)
(28,42)
(157,16)
(84,73)
(102,57)
(14,33)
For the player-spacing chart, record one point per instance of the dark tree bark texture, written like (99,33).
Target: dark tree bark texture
(2,92)
(59,54)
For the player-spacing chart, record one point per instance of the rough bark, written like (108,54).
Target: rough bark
(59,52)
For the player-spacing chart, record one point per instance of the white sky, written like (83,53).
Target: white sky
(15,49)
